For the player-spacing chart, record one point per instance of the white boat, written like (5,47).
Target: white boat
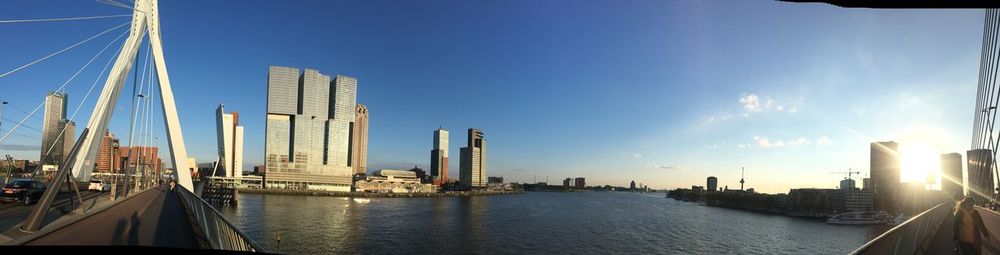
(860,218)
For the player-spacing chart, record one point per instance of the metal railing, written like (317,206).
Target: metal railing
(913,236)
(218,232)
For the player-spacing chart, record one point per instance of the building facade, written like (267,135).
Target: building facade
(107,153)
(580,183)
(712,184)
(229,143)
(308,129)
(359,140)
(394,181)
(139,160)
(473,165)
(951,175)
(980,174)
(439,157)
(54,140)
(884,169)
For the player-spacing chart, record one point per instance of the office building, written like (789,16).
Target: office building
(107,153)
(712,184)
(858,200)
(866,183)
(139,160)
(230,143)
(358,159)
(439,157)
(581,183)
(951,175)
(980,169)
(308,129)
(473,162)
(567,183)
(884,169)
(54,140)
(631,186)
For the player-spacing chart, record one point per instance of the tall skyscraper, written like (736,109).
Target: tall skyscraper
(359,140)
(712,184)
(439,157)
(473,165)
(951,175)
(69,137)
(107,153)
(308,129)
(230,143)
(885,174)
(581,183)
(53,139)
(980,174)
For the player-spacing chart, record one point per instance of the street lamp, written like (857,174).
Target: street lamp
(1,112)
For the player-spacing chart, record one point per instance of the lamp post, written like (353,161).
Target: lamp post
(1,112)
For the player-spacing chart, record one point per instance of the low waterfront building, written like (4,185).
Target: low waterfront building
(859,200)
(394,181)
(581,183)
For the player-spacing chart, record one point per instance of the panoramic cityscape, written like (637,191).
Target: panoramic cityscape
(307,127)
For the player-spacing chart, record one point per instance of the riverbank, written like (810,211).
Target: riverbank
(371,195)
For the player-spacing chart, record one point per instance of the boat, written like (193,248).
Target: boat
(898,220)
(860,218)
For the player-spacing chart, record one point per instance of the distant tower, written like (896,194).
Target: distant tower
(631,187)
(439,157)
(712,183)
(358,158)
(472,167)
(53,140)
(230,142)
(742,173)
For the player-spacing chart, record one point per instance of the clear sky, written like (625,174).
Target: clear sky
(662,92)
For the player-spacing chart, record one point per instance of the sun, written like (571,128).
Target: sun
(918,161)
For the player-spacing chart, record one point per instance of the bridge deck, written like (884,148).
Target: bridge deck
(154,218)
(943,244)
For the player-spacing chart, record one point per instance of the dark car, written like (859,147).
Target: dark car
(23,191)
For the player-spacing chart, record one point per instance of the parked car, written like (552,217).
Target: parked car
(23,191)
(99,185)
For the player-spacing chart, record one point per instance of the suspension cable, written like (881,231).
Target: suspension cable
(63,86)
(64,49)
(62,19)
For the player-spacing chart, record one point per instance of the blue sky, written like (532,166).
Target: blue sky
(662,92)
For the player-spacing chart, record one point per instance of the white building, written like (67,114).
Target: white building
(394,181)
(230,143)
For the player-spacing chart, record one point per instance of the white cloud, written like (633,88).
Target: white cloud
(800,141)
(658,166)
(824,140)
(750,102)
(632,155)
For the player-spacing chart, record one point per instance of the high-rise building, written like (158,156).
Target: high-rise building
(631,186)
(885,175)
(712,184)
(473,165)
(143,159)
(847,184)
(69,137)
(308,129)
(581,182)
(567,183)
(359,140)
(107,153)
(439,157)
(951,175)
(53,138)
(866,183)
(980,173)
(229,143)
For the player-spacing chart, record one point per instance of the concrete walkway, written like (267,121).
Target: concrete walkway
(155,218)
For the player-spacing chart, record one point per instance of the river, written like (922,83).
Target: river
(534,223)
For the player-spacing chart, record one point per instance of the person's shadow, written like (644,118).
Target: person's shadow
(133,233)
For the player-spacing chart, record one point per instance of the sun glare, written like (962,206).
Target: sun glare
(917,160)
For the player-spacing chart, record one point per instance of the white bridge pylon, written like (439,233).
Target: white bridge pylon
(145,19)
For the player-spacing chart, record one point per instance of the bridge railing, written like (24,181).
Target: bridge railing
(911,237)
(219,232)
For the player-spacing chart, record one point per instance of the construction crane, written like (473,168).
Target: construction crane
(849,172)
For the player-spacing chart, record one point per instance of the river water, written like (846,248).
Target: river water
(532,223)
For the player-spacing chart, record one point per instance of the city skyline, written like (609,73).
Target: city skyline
(686,102)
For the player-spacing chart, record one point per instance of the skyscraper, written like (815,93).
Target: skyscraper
(439,157)
(712,184)
(359,140)
(951,175)
(308,129)
(885,174)
(980,173)
(581,183)
(473,165)
(53,139)
(230,143)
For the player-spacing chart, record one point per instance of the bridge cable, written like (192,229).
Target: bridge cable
(133,109)
(62,19)
(64,49)
(63,86)
(90,91)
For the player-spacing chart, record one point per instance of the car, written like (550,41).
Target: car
(99,185)
(23,191)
